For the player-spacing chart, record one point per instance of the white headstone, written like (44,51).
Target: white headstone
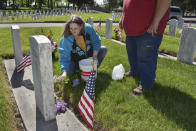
(173,24)
(31,12)
(22,14)
(27,13)
(40,14)
(53,13)
(108,31)
(37,15)
(34,17)
(7,15)
(187,46)
(12,14)
(90,20)
(44,13)
(113,15)
(17,14)
(16,42)
(1,16)
(180,23)
(47,13)
(63,11)
(41,57)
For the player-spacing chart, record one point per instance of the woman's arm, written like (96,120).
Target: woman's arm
(94,38)
(64,50)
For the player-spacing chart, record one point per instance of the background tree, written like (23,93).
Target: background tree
(40,2)
(185,4)
(3,4)
(80,3)
(112,4)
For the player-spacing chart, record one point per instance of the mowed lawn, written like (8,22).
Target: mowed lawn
(169,106)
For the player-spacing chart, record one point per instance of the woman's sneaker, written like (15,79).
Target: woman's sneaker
(139,90)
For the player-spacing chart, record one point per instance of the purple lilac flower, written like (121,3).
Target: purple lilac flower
(59,79)
(54,77)
(60,106)
(116,30)
(76,82)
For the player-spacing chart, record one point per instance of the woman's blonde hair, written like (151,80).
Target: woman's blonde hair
(73,19)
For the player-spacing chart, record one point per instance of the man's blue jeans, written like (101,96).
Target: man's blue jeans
(142,54)
(73,67)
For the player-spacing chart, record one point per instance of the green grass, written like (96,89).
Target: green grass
(6,50)
(169,44)
(7,116)
(169,106)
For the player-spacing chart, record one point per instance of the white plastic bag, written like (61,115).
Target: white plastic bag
(118,72)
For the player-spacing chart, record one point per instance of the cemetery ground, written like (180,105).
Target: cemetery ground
(169,106)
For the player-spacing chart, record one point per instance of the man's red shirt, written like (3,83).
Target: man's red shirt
(138,15)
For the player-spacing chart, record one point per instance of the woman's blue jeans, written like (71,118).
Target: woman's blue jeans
(142,53)
(73,67)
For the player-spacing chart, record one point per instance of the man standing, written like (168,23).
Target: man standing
(144,22)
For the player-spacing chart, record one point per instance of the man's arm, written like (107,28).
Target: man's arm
(120,23)
(161,8)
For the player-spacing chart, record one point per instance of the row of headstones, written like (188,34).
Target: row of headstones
(174,25)
(187,46)
(36,15)
(42,71)
(187,42)
(108,29)
(116,14)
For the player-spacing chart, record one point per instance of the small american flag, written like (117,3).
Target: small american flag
(26,61)
(86,104)
(99,26)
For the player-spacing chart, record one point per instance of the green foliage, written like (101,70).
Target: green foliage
(185,4)
(81,3)
(112,4)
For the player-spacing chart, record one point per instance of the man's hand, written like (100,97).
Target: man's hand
(120,25)
(152,29)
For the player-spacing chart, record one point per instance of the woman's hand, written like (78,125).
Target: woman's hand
(64,74)
(95,53)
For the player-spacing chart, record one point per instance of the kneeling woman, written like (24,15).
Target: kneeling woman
(79,41)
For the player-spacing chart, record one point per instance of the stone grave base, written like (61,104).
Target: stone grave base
(23,91)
